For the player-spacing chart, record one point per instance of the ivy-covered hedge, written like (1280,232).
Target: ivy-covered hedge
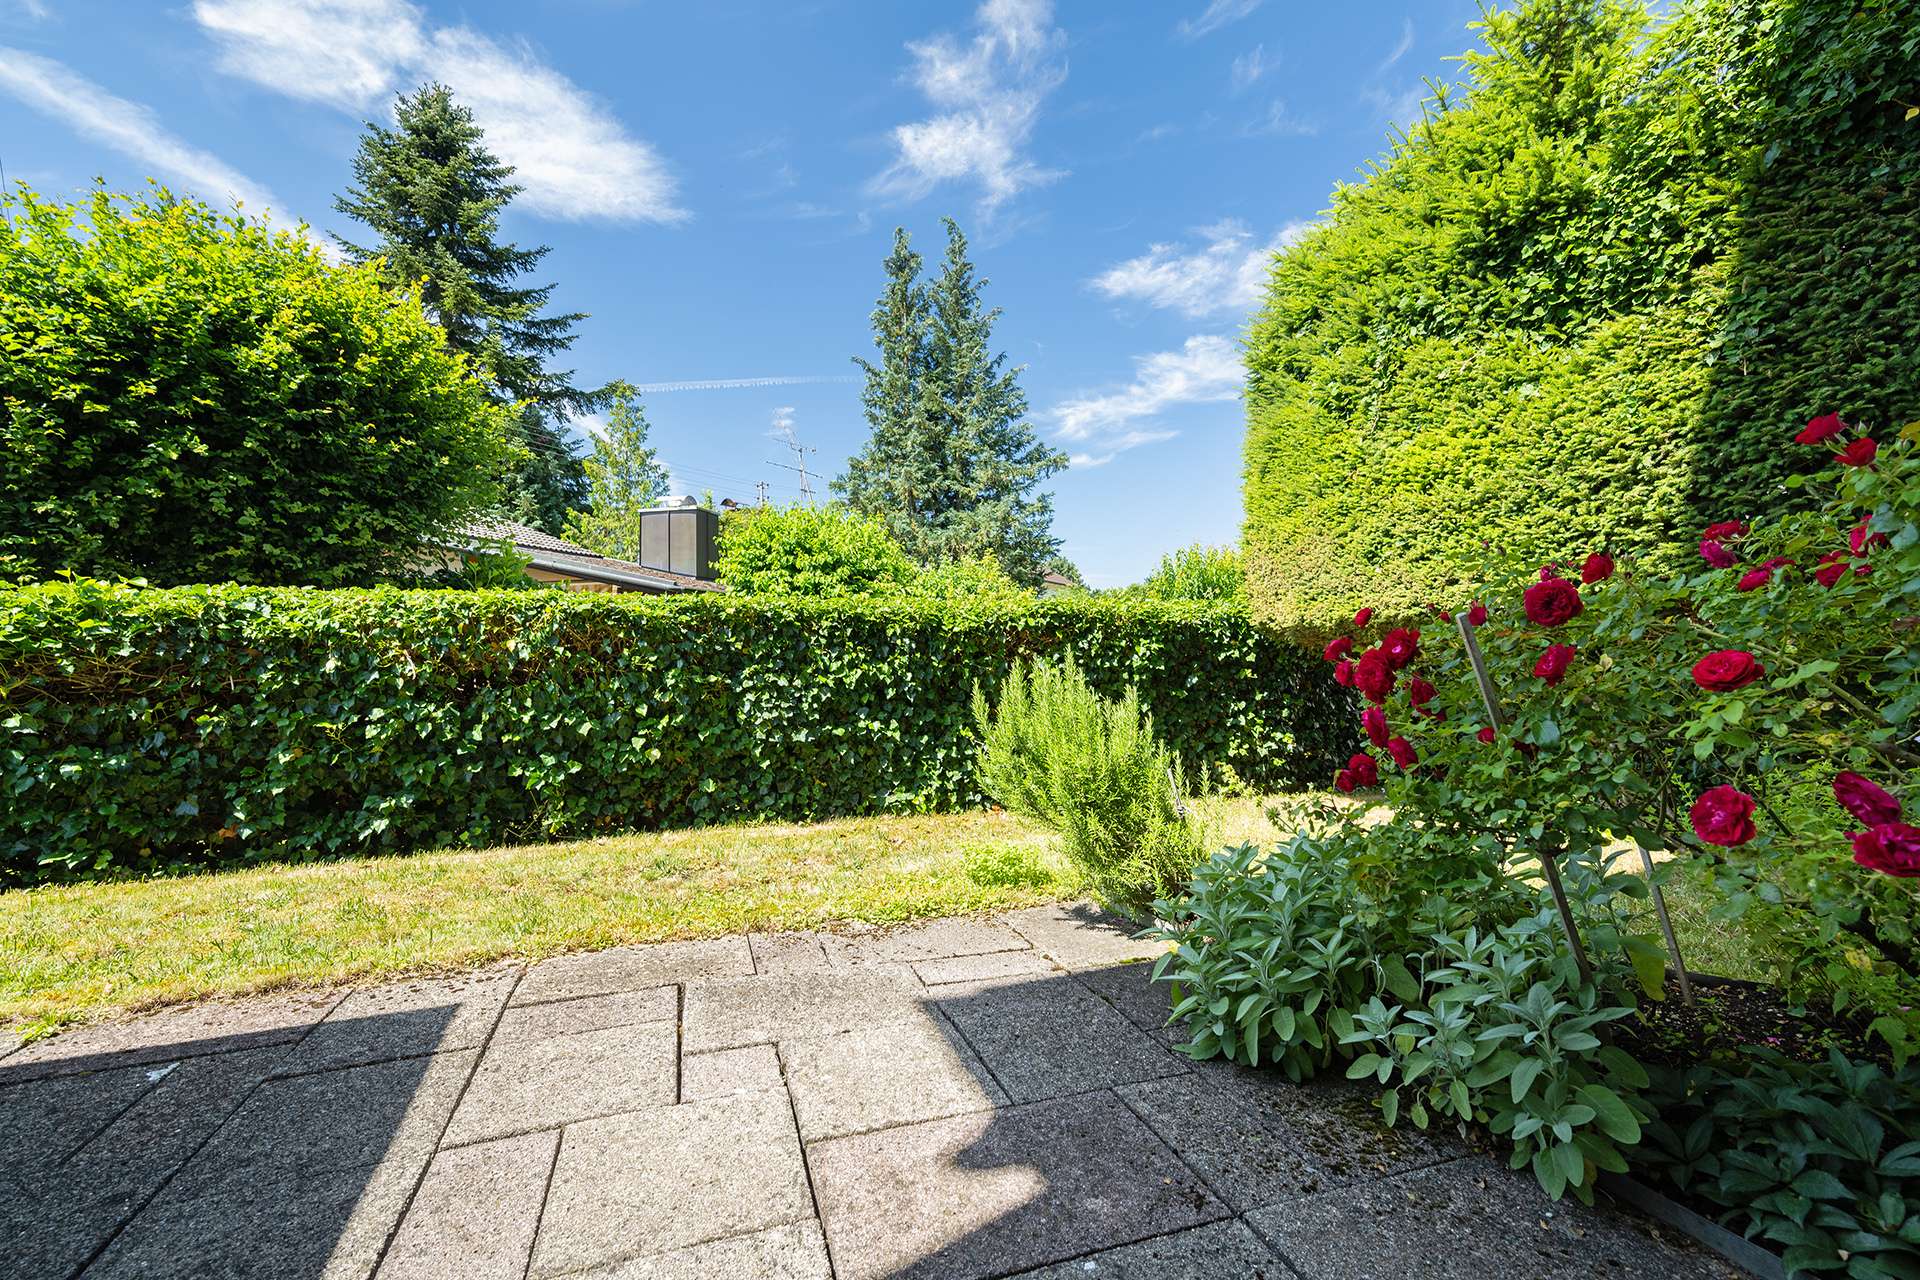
(147,729)
(1579,304)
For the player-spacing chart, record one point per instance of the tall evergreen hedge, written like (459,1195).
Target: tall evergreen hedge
(1581,304)
(145,729)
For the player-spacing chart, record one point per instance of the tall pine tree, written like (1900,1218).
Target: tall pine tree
(953,468)
(624,478)
(432,193)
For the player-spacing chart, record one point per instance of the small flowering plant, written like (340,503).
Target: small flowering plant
(1758,715)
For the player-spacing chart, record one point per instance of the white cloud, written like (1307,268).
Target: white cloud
(1206,370)
(987,91)
(59,93)
(1280,122)
(1400,49)
(573,156)
(1248,68)
(1224,275)
(1216,15)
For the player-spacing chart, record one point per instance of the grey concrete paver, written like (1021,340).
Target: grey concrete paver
(404,1020)
(219,1026)
(1045,1037)
(1218,1251)
(929,940)
(523,1085)
(982,968)
(750,1069)
(1130,989)
(787,952)
(1470,1219)
(656,1181)
(882,1076)
(1000,1191)
(475,1213)
(588,1013)
(792,1252)
(1080,935)
(44,1121)
(599,973)
(727,1013)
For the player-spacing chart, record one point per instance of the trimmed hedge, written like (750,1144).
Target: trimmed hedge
(148,729)
(1583,303)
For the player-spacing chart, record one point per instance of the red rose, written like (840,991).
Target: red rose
(1598,568)
(1477,615)
(1859,453)
(1437,714)
(1374,721)
(1419,692)
(1362,618)
(1343,673)
(1486,735)
(1402,752)
(1551,569)
(1338,649)
(1373,676)
(1553,663)
(1725,530)
(1892,849)
(1552,602)
(1365,770)
(1440,613)
(1716,555)
(1833,567)
(1400,646)
(1821,429)
(1343,781)
(1861,540)
(1526,749)
(1865,799)
(1723,816)
(1725,670)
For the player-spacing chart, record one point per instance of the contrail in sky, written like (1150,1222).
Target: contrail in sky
(734,384)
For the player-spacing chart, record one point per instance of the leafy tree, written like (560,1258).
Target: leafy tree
(1195,573)
(810,551)
(195,397)
(978,578)
(623,479)
(952,467)
(432,193)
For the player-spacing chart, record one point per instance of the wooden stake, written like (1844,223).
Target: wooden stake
(1547,856)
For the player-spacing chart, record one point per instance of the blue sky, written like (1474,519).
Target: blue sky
(719,182)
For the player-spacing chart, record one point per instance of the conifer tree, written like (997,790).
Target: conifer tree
(952,467)
(432,193)
(624,478)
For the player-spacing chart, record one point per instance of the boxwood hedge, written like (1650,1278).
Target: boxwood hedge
(149,729)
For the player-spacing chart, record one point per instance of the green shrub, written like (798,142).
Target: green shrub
(1579,302)
(1089,767)
(809,551)
(142,729)
(1195,573)
(192,397)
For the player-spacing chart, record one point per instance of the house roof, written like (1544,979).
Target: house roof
(1053,578)
(557,555)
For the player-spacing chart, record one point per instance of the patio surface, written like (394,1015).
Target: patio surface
(960,1099)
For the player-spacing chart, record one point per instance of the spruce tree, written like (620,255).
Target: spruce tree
(432,193)
(952,467)
(624,478)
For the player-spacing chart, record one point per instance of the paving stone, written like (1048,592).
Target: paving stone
(657,1181)
(1472,1219)
(1260,1140)
(304,1126)
(475,1214)
(932,940)
(787,952)
(1001,1191)
(328,1226)
(1140,1000)
(728,1013)
(1046,1037)
(523,1085)
(1079,935)
(885,1075)
(599,973)
(404,1020)
(792,1252)
(729,1071)
(1218,1251)
(588,1013)
(44,1121)
(995,964)
(188,1031)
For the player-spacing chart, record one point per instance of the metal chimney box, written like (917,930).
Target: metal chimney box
(678,537)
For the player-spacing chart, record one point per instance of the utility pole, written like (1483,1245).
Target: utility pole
(800,459)
(761,487)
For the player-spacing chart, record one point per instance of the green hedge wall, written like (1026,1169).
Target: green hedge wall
(1581,305)
(148,729)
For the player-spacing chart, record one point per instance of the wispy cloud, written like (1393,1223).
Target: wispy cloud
(63,95)
(737,384)
(1216,15)
(1279,121)
(573,156)
(1205,370)
(987,93)
(1248,68)
(1225,274)
(1398,104)
(1400,47)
